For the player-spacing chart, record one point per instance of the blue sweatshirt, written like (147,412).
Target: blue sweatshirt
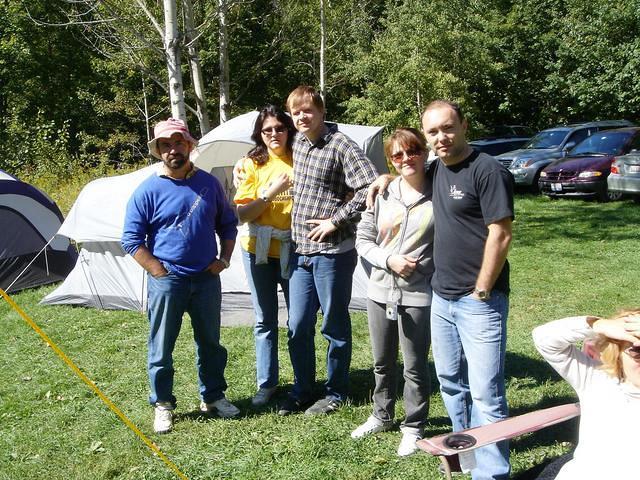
(177,220)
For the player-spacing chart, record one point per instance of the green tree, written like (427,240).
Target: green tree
(595,74)
(523,43)
(274,46)
(40,115)
(424,52)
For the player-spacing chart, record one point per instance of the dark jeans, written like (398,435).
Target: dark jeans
(411,333)
(320,281)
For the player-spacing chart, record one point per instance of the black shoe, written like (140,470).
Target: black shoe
(324,406)
(290,405)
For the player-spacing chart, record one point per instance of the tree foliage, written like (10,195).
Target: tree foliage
(595,72)
(422,53)
(80,92)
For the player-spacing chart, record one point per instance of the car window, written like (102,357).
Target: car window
(609,142)
(521,131)
(548,138)
(501,131)
(635,144)
(578,136)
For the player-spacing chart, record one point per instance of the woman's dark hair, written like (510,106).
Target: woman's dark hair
(260,153)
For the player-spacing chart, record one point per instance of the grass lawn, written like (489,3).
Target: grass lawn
(568,257)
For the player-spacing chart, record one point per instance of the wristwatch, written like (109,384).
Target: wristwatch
(225,262)
(264,197)
(482,294)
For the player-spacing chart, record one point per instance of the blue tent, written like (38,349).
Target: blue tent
(29,220)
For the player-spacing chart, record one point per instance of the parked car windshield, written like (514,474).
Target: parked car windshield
(548,138)
(507,131)
(602,143)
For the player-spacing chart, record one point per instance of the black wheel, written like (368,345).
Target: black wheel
(605,195)
(602,196)
(636,198)
(535,188)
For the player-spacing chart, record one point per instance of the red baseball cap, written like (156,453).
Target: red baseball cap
(167,128)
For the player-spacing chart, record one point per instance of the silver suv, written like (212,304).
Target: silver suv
(526,163)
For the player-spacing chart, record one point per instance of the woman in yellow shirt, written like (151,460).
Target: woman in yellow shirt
(264,201)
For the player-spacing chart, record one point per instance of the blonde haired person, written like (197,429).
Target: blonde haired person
(396,238)
(608,389)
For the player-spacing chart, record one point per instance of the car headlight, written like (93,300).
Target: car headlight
(589,174)
(543,174)
(525,163)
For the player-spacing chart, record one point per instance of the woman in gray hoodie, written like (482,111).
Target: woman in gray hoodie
(396,238)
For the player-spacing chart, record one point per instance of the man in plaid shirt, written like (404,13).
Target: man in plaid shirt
(327,166)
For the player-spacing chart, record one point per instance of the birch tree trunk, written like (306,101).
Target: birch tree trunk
(322,51)
(224,61)
(194,66)
(172,52)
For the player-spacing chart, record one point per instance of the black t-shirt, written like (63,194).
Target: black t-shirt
(466,198)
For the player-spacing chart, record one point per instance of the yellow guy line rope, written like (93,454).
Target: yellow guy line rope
(93,386)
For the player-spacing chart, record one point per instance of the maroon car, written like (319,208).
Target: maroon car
(584,171)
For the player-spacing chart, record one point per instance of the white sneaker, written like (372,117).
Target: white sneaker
(262,396)
(408,443)
(371,426)
(221,407)
(163,420)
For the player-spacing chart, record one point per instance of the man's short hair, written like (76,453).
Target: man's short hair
(305,93)
(444,103)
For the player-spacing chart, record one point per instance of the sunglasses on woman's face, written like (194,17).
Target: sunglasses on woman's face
(399,156)
(633,352)
(272,130)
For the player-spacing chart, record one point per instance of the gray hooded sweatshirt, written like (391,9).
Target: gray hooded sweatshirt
(390,228)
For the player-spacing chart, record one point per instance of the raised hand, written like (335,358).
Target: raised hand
(615,329)
(280,184)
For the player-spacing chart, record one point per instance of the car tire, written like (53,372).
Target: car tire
(606,195)
(636,198)
(534,187)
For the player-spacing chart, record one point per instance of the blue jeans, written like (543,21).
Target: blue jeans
(320,281)
(263,281)
(469,340)
(169,298)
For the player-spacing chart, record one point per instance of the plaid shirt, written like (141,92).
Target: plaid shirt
(323,174)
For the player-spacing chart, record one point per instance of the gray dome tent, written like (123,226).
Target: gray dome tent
(105,277)
(31,254)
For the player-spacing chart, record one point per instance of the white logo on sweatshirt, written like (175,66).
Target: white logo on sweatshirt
(455,193)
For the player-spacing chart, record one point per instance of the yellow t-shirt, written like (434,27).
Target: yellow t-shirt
(278,212)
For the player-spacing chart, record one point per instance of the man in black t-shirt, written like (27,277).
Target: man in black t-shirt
(473,209)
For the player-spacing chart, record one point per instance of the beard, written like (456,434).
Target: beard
(175,162)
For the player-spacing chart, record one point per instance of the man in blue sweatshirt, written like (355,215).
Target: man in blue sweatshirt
(170,226)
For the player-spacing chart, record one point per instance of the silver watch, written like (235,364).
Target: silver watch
(482,294)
